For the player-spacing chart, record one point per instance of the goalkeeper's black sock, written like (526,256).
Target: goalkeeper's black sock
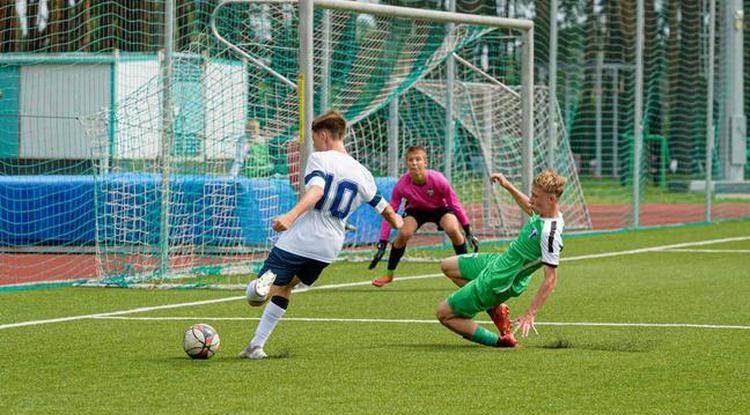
(460,249)
(395,258)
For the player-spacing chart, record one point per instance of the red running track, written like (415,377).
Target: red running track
(29,268)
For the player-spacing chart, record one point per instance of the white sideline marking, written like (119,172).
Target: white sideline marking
(350,284)
(411,321)
(192,303)
(712,251)
(117,313)
(657,248)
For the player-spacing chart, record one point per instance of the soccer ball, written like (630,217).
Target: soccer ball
(365,23)
(201,341)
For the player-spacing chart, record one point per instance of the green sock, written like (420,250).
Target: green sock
(484,336)
(390,272)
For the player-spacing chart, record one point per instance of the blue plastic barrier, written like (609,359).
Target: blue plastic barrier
(204,210)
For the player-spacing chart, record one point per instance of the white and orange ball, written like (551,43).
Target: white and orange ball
(201,341)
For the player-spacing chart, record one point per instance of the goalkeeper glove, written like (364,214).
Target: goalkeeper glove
(378,254)
(473,240)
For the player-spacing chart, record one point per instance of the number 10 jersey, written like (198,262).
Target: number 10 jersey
(319,233)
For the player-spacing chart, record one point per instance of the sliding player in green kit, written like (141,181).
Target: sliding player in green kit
(488,280)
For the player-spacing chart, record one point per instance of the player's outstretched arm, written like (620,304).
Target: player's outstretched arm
(393,218)
(521,199)
(526,321)
(308,200)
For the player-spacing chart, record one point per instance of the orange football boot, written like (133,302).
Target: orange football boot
(507,340)
(379,282)
(501,317)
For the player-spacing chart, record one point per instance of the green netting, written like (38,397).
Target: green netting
(596,92)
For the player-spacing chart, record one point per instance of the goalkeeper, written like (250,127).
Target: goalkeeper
(429,198)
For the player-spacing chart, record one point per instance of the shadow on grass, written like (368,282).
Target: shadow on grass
(630,346)
(425,347)
(228,359)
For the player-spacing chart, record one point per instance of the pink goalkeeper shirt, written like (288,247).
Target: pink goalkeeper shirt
(436,193)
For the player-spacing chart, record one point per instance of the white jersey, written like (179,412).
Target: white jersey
(319,233)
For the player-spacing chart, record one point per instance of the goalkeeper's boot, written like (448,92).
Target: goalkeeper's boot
(385,279)
(252,352)
(501,317)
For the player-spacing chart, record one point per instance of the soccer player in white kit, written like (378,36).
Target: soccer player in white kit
(313,230)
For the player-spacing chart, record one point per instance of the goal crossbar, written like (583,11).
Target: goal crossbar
(400,11)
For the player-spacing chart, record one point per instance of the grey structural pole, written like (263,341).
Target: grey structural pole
(710,106)
(527,117)
(638,115)
(615,120)
(566,103)
(393,164)
(450,126)
(732,145)
(305,86)
(325,70)
(598,111)
(166,134)
(486,137)
(552,98)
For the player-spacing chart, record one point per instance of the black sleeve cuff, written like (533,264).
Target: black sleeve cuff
(550,265)
(375,200)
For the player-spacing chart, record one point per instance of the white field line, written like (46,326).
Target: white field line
(189,304)
(411,321)
(351,284)
(711,251)
(657,248)
(40,283)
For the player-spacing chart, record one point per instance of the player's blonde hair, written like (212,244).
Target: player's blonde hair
(550,182)
(331,121)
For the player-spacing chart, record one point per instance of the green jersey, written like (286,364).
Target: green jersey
(493,278)
(539,242)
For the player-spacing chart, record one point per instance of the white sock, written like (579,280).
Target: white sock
(271,316)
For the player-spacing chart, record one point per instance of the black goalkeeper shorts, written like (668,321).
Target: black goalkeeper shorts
(424,216)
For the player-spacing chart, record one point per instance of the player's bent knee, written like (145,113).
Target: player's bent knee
(444,267)
(444,312)
(449,266)
(283,291)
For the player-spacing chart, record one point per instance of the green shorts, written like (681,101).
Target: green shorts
(488,286)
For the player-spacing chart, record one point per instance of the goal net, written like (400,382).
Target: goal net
(195,162)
